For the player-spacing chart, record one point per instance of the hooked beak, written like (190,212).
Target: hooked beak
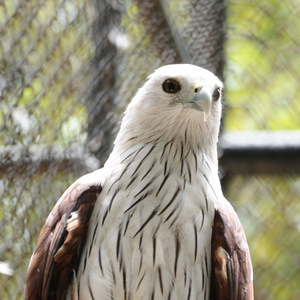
(201,101)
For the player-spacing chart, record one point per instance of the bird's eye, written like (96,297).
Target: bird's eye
(171,86)
(216,94)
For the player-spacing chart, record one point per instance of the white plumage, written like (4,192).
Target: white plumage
(161,245)
(149,232)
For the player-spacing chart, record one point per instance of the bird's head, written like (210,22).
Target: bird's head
(181,101)
(181,87)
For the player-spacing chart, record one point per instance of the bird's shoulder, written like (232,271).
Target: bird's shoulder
(232,275)
(61,240)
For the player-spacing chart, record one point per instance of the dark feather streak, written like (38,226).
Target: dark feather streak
(154,249)
(155,231)
(206,200)
(131,182)
(141,263)
(146,222)
(140,242)
(127,156)
(189,172)
(153,294)
(113,198)
(177,252)
(171,145)
(165,168)
(84,262)
(117,180)
(78,288)
(142,160)
(196,161)
(175,154)
(120,263)
(162,184)
(90,249)
(127,221)
(171,201)
(125,169)
(190,290)
(94,234)
(124,284)
(136,202)
(90,289)
(174,220)
(206,263)
(104,217)
(137,152)
(145,187)
(100,261)
(138,285)
(196,242)
(118,242)
(149,170)
(187,152)
(160,281)
(202,222)
(163,152)
(113,272)
(184,183)
(171,214)
(181,151)
(181,168)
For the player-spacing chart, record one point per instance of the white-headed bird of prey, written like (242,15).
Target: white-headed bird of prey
(153,222)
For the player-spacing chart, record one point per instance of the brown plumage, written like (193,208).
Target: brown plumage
(60,244)
(231,277)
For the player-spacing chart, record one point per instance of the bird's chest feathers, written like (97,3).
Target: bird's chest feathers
(154,223)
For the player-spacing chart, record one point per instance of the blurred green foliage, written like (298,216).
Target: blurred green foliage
(44,47)
(269,209)
(262,73)
(261,93)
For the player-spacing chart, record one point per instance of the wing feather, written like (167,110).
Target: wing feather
(61,240)
(232,277)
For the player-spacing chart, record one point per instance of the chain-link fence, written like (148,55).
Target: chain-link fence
(262,75)
(67,70)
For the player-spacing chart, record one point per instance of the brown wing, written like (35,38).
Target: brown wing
(61,241)
(232,277)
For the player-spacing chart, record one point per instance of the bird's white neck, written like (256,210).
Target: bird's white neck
(181,137)
(178,151)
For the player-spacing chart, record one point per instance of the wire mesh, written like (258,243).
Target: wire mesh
(268,207)
(261,78)
(262,65)
(67,70)
(45,49)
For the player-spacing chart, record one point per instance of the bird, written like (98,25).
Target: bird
(153,222)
